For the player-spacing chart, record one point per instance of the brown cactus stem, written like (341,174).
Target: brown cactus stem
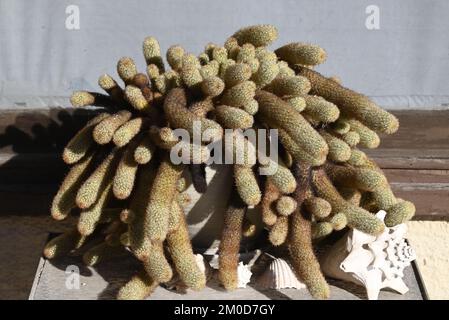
(198,174)
(230,241)
(300,247)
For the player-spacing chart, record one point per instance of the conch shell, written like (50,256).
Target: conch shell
(370,261)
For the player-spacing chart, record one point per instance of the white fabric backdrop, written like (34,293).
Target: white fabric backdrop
(404,64)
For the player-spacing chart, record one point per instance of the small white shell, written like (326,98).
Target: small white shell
(243,275)
(279,275)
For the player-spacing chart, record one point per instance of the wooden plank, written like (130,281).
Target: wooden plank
(103,281)
(31,142)
(431,199)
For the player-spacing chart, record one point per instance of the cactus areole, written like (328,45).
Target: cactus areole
(123,178)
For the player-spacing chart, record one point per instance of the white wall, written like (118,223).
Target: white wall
(404,64)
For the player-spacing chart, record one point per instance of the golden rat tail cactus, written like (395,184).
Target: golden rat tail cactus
(123,176)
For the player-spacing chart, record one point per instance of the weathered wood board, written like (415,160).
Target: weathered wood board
(104,281)
(415,159)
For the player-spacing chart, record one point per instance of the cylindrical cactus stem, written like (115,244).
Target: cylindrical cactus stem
(175,214)
(180,117)
(236,74)
(144,150)
(63,244)
(198,175)
(136,98)
(318,207)
(251,107)
(364,179)
(108,84)
(357,217)
(79,145)
(232,46)
(261,35)
(285,205)
(338,221)
(157,265)
(89,218)
(220,54)
(321,110)
(302,256)
(321,229)
(266,72)
(351,103)
(85,98)
(182,255)
(202,107)
(210,70)
(153,72)
(104,131)
(233,118)
(289,86)
(281,113)
(139,243)
(166,81)
(339,151)
(246,184)
(64,201)
(212,86)
(285,70)
(152,52)
(279,232)
(203,58)
(138,288)
(263,54)
(358,158)
(94,185)
(128,131)
(101,253)
(191,60)
(368,138)
(270,195)
(240,94)
(283,179)
(298,103)
(352,138)
(161,197)
(302,53)
(228,258)
(191,76)
(246,53)
(399,213)
(125,174)
(174,57)
(126,69)
(295,151)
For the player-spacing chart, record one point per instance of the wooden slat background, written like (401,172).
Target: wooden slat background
(415,159)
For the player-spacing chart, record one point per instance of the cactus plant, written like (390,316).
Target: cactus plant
(122,175)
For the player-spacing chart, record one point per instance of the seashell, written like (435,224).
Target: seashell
(373,262)
(243,275)
(279,275)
